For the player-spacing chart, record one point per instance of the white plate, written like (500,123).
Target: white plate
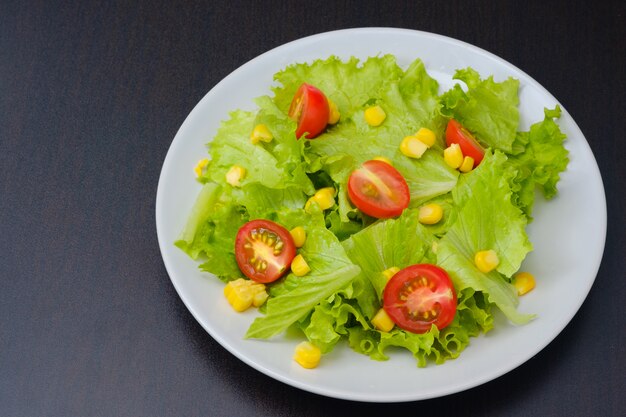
(568,242)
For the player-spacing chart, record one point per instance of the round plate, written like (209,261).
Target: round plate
(561,230)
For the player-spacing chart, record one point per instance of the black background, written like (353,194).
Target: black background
(91,96)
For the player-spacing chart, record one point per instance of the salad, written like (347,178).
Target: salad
(360,204)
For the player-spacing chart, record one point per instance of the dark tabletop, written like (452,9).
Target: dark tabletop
(91,96)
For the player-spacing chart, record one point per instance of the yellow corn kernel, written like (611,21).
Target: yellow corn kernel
(307,355)
(261,133)
(383,159)
(235,174)
(382,321)
(486,260)
(240,302)
(242,293)
(333,113)
(430,213)
(412,147)
(237,295)
(467,165)
(453,156)
(375,116)
(308,205)
(523,282)
(324,197)
(259,298)
(299,267)
(298,234)
(390,272)
(199,168)
(426,136)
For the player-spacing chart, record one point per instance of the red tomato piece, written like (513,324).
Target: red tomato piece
(378,190)
(264,250)
(309,108)
(456,133)
(419,296)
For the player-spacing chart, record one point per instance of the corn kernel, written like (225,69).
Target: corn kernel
(390,272)
(298,234)
(299,267)
(375,116)
(308,207)
(261,133)
(242,293)
(199,168)
(259,298)
(240,302)
(382,321)
(307,355)
(430,213)
(426,136)
(453,156)
(324,198)
(383,159)
(333,113)
(523,282)
(486,260)
(238,299)
(412,147)
(235,174)
(467,165)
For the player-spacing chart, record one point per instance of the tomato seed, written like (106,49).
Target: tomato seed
(369,189)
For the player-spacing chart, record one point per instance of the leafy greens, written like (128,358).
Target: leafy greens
(347,251)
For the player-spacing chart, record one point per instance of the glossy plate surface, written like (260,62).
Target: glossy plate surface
(561,232)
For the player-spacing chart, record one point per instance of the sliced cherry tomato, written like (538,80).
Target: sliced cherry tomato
(378,189)
(264,250)
(309,108)
(456,133)
(419,296)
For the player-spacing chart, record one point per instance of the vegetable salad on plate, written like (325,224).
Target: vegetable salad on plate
(360,204)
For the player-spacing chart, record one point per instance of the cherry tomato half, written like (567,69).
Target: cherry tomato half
(378,190)
(419,296)
(309,108)
(456,133)
(264,250)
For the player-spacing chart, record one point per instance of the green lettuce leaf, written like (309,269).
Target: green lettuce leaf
(486,219)
(295,297)
(402,242)
(410,101)
(473,317)
(330,321)
(540,159)
(392,242)
(348,84)
(210,231)
(277,164)
(488,109)
(262,202)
